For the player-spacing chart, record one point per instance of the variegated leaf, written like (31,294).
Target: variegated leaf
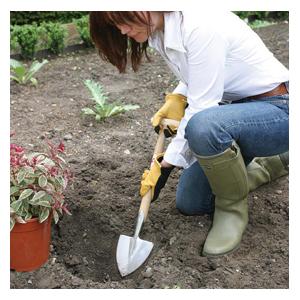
(14,189)
(21,175)
(19,220)
(42,181)
(12,223)
(15,206)
(44,214)
(42,168)
(38,196)
(44,203)
(28,216)
(25,194)
(55,216)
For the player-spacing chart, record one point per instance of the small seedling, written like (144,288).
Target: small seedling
(102,109)
(21,74)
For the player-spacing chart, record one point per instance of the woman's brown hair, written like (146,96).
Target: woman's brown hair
(112,45)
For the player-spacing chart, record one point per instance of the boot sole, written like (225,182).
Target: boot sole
(221,254)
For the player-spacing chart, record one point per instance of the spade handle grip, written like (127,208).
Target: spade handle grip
(159,148)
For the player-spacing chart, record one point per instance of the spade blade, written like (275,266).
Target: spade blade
(129,262)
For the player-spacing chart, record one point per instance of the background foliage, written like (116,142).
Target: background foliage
(29,17)
(263,15)
(32,31)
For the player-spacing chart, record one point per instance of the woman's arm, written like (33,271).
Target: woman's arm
(206,70)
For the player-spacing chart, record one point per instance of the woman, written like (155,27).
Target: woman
(231,101)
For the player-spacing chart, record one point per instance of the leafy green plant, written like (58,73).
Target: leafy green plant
(82,26)
(37,183)
(14,45)
(260,23)
(20,73)
(43,42)
(28,17)
(270,16)
(102,109)
(27,37)
(56,35)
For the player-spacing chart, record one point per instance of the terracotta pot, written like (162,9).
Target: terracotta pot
(29,245)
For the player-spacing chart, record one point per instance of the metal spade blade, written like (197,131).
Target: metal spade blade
(129,260)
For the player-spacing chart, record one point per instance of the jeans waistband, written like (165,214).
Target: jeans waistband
(278,91)
(225,101)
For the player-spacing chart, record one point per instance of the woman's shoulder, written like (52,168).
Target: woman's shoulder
(208,22)
(195,17)
(202,23)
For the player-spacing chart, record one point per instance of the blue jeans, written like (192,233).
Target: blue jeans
(260,128)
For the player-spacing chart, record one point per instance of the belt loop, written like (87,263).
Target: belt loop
(287,86)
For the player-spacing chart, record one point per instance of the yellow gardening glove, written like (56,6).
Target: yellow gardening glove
(155,178)
(173,108)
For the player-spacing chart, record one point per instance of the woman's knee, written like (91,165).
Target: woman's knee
(196,206)
(181,205)
(194,195)
(204,133)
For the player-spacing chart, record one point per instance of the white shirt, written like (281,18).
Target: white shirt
(215,56)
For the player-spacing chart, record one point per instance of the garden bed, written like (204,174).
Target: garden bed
(108,159)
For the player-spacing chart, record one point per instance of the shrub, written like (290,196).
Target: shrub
(251,16)
(29,17)
(43,42)
(27,38)
(14,45)
(83,29)
(55,36)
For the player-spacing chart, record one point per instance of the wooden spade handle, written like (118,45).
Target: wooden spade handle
(159,148)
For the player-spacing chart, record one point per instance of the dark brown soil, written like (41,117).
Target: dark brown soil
(108,159)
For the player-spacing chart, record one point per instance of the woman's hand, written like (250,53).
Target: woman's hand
(173,109)
(155,178)
(165,164)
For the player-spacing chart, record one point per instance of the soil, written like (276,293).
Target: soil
(108,158)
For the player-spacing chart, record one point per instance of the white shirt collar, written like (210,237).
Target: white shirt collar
(172,32)
(173,36)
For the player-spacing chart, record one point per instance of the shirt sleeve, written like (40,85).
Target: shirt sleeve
(206,53)
(181,89)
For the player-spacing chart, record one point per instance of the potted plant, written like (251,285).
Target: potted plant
(37,183)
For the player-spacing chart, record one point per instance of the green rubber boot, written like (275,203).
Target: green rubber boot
(227,175)
(263,170)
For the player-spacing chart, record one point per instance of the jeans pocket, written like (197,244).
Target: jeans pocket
(281,101)
(282,104)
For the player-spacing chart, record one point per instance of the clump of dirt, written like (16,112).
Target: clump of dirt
(108,159)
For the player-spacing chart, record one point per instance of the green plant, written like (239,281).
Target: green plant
(14,46)
(260,23)
(271,16)
(21,74)
(102,109)
(37,183)
(43,42)
(56,34)
(27,37)
(28,17)
(82,26)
